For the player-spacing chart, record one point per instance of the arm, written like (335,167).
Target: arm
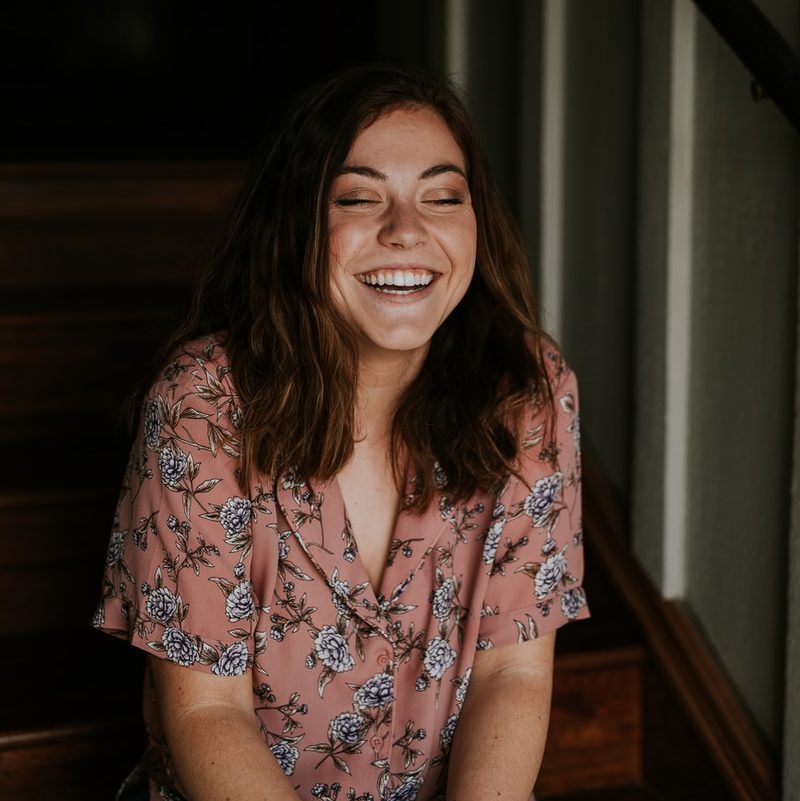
(217,750)
(503,723)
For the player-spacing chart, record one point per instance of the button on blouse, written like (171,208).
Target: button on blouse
(358,692)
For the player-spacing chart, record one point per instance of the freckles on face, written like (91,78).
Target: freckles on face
(402,234)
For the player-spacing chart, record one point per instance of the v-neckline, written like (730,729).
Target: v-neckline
(319,524)
(358,565)
(336,486)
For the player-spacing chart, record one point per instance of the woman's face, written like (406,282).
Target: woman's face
(402,232)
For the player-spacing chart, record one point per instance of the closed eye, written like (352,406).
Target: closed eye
(354,201)
(447,201)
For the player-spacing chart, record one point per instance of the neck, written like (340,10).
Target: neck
(381,382)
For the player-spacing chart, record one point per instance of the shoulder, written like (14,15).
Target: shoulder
(549,423)
(557,390)
(193,390)
(552,362)
(197,358)
(199,369)
(561,379)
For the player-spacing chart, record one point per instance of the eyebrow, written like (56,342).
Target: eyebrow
(377,175)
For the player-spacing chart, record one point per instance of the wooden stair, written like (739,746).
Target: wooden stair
(627,792)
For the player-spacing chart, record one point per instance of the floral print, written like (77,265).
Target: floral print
(572,601)
(447,733)
(286,755)
(439,656)
(240,604)
(349,728)
(442,599)
(357,689)
(171,465)
(549,575)
(232,661)
(161,605)
(332,650)
(542,498)
(116,548)
(179,647)
(377,691)
(152,424)
(234,516)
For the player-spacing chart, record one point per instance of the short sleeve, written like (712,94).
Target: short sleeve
(177,574)
(534,544)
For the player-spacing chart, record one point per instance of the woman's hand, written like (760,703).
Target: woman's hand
(215,743)
(500,737)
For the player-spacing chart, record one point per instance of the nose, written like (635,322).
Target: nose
(402,226)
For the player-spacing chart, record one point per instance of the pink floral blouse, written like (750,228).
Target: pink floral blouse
(357,691)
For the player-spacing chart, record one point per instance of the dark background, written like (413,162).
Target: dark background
(127,128)
(180,80)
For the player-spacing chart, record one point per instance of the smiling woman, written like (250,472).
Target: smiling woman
(350,523)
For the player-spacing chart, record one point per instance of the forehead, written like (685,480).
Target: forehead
(400,133)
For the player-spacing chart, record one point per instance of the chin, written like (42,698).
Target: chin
(394,345)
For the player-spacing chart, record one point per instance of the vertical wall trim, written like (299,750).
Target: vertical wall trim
(554,69)
(791,703)
(529,135)
(456,45)
(679,296)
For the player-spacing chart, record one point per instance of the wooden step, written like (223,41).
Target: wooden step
(106,223)
(595,735)
(628,792)
(53,679)
(79,762)
(44,538)
(70,721)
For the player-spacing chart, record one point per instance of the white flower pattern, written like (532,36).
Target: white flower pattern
(240,604)
(550,575)
(439,656)
(161,605)
(180,647)
(375,692)
(232,661)
(332,650)
(542,498)
(172,465)
(349,728)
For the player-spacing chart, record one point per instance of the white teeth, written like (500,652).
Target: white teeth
(407,278)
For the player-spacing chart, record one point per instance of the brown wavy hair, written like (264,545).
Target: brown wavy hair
(292,355)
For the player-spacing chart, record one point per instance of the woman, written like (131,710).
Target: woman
(351,519)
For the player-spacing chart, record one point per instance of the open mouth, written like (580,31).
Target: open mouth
(397,282)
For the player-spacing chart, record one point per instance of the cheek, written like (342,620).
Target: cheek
(344,243)
(334,243)
(466,245)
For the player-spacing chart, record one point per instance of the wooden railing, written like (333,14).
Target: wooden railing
(761,48)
